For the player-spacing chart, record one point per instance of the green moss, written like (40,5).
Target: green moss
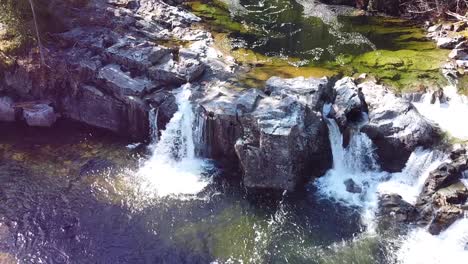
(218,17)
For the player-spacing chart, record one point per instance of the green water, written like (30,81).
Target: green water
(284,38)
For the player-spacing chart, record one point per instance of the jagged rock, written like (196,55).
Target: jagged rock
(282,140)
(352,186)
(120,83)
(41,115)
(7,110)
(444,217)
(445,175)
(349,102)
(395,127)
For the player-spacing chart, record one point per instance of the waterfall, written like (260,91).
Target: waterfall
(173,168)
(357,162)
(153,125)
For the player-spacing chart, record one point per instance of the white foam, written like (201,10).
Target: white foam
(420,247)
(173,169)
(450,116)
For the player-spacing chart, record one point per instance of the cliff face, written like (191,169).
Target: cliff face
(106,67)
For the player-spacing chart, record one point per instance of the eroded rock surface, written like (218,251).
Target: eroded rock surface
(280,139)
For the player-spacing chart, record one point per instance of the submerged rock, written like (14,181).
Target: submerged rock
(352,186)
(395,127)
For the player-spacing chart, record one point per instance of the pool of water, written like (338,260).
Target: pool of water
(68,196)
(291,38)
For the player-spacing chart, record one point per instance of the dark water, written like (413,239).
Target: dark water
(63,199)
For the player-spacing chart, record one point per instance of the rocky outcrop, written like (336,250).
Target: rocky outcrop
(441,201)
(105,67)
(279,137)
(395,126)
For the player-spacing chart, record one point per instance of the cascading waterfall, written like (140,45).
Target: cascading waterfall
(356,162)
(153,122)
(173,168)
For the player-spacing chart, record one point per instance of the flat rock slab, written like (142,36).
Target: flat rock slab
(121,83)
(135,55)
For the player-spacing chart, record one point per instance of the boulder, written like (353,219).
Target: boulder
(445,175)
(41,115)
(352,186)
(394,213)
(395,127)
(7,110)
(279,139)
(443,218)
(349,104)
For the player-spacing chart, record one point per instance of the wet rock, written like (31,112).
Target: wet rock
(120,83)
(349,103)
(41,115)
(166,105)
(395,127)
(352,186)
(444,217)
(7,110)
(394,212)
(281,145)
(445,175)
